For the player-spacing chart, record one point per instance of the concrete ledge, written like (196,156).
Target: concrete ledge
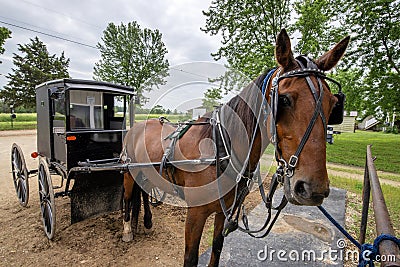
(302,236)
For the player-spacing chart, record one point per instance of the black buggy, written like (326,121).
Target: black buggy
(79,123)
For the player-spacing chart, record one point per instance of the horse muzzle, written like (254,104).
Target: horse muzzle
(303,193)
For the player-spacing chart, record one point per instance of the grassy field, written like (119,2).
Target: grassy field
(28,120)
(350,149)
(21,122)
(392,198)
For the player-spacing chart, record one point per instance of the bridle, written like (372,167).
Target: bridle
(286,169)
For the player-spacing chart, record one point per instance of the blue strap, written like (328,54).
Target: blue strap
(265,82)
(263,92)
(364,258)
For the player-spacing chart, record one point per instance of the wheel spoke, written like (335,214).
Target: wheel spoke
(48,217)
(15,166)
(20,175)
(21,190)
(15,158)
(46,196)
(158,193)
(43,186)
(156,196)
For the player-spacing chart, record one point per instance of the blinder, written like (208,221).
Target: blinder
(336,116)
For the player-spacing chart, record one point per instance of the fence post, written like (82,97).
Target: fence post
(365,204)
(382,219)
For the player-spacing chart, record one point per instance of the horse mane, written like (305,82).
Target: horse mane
(241,108)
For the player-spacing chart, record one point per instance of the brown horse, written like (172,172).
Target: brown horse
(299,113)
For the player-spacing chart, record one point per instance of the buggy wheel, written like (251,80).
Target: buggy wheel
(156,196)
(46,197)
(20,175)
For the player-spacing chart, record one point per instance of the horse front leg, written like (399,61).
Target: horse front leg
(136,204)
(195,220)
(147,218)
(218,239)
(127,235)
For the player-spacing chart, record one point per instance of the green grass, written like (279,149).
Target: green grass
(350,149)
(385,175)
(391,195)
(19,125)
(21,122)
(5,117)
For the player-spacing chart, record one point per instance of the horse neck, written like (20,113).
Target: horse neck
(240,119)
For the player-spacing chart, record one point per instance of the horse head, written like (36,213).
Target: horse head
(303,106)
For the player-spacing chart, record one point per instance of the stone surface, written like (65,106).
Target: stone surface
(302,236)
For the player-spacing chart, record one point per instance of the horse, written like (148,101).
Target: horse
(296,101)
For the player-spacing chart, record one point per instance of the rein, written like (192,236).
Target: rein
(285,169)
(245,178)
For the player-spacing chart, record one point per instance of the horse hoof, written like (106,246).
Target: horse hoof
(148,225)
(127,237)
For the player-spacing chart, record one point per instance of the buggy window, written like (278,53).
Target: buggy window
(86,110)
(58,108)
(114,110)
(91,110)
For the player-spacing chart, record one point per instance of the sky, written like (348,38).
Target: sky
(84,22)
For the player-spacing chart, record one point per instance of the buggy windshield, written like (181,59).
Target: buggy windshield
(93,110)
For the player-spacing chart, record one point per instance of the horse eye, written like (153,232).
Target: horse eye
(284,101)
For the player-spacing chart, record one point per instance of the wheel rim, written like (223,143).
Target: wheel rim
(20,175)
(46,198)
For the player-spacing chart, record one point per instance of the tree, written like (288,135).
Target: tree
(32,68)
(248,30)
(157,109)
(133,57)
(231,81)
(353,86)
(376,30)
(316,24)
(211,98)
(4,34)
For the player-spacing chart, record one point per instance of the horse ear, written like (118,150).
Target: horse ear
(283,50)
(332,57)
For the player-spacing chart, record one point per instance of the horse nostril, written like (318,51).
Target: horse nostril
(327,193)
(301,190)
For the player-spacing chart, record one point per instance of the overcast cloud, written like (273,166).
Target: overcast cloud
(84,21)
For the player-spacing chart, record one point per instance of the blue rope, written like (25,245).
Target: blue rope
(368,252)
(265,82)
(373,250)
(339,227)
(263,92)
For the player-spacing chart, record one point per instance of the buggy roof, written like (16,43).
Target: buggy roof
(78,84)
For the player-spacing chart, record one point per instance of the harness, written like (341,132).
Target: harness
(245,178)
(286,169)
(169,152)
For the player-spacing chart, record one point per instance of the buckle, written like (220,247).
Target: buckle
(275,81)
(293,161)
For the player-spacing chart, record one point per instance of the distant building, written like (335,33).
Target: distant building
(348,124)
(368,123)
(198,112)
